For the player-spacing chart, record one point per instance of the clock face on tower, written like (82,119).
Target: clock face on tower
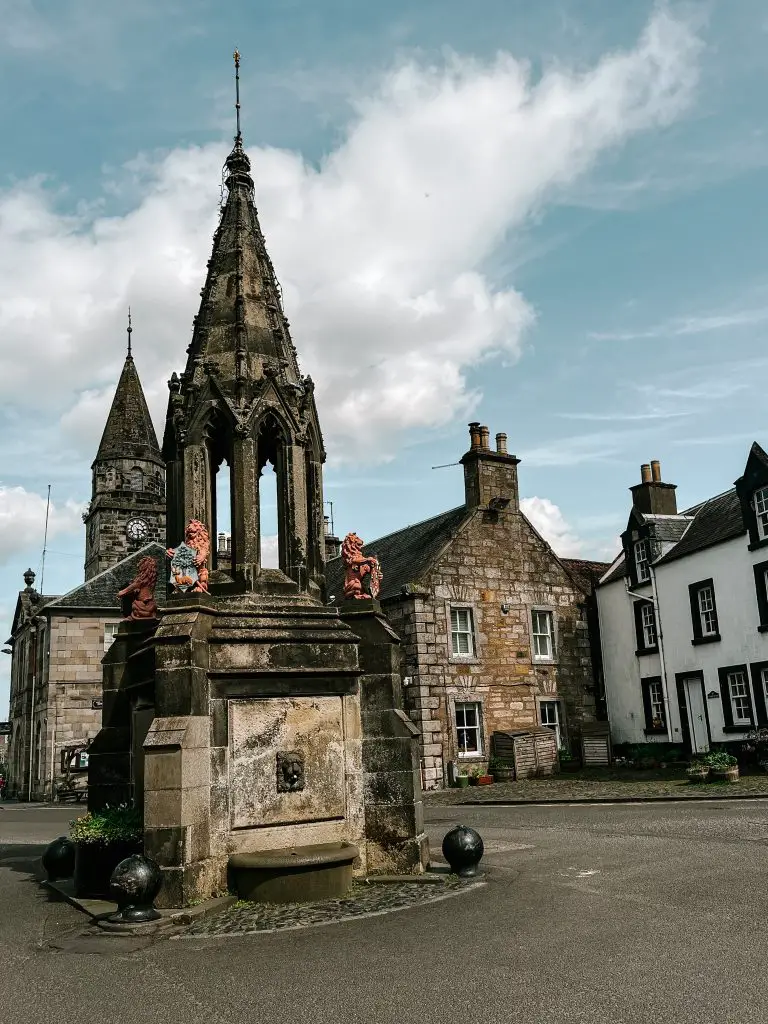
(137,529)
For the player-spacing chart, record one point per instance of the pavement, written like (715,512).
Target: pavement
(628,914)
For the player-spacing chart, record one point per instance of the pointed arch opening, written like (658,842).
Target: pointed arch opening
(273,504)
(221,512)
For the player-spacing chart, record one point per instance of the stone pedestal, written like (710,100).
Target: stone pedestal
(394,812)
(256,744)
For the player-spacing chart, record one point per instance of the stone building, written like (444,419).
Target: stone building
(58,641)
(495,627)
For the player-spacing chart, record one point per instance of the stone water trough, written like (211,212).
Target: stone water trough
(299,874)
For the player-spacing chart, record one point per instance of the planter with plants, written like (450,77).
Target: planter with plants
(474,776)
(101,841)
(501,771)
(697,771)
(568,763)
(723,767)
(462,781)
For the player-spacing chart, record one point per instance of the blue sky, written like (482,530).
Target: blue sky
(548,217)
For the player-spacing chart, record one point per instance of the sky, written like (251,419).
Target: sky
(546,217)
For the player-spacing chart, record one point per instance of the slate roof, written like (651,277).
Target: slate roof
(618,572)
(585,573)
(404,555)
(668,529)
(129,429)
(714,521)
(101,590)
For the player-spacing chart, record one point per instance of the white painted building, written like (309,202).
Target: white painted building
(683,615)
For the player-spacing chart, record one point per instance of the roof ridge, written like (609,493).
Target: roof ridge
(103,573)
(695,509)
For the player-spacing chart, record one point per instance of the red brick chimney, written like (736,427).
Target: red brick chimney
(490,477)
(651,496)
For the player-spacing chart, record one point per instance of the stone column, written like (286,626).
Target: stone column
(394,812)
(245,510)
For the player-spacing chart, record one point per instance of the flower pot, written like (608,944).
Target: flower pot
(462,781)
(503,774)
(484,780)
(95,862)
(698,774)
(473,780)
(726,774)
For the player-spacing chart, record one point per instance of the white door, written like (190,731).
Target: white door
(697,721)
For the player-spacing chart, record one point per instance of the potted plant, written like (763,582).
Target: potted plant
(723,766)
(697,771)
(484,778)
(101,841)
(474,776)
(462,781)
(501,770)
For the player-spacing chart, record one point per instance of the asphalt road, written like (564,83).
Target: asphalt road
(640,914)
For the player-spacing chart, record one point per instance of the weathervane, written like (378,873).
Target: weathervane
(130,332)
(236,55)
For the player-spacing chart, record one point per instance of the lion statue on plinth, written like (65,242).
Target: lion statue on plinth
(142,590)
(189,560)
(358,568)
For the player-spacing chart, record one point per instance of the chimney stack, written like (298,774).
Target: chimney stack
(332,544)
(651,496)
(489,475)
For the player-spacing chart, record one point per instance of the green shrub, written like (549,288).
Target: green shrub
(113,824)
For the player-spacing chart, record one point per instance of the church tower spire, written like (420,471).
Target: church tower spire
(127,507)
(242,400)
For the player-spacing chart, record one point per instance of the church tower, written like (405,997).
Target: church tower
(127,508)
(242,400)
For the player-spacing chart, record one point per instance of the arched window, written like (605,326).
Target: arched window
(137,479)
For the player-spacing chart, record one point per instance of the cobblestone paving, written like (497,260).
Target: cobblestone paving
(363,899)
(602,785)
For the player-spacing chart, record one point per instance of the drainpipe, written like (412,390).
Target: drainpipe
(33,638)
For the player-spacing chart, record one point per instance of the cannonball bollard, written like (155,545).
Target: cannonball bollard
(463,849)
(134,884)
(59,859)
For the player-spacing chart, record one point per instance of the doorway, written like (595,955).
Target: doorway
(694,719)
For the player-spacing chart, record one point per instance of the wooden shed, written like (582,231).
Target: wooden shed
(532,751)
(595,744)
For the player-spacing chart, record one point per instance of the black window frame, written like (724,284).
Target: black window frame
(639,634)
(725,698)
(650,729)
(761,593)
(759,706)
(693,594)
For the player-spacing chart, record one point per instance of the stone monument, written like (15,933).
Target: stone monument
(255,719)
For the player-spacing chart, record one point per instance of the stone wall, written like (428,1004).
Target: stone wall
(496,558)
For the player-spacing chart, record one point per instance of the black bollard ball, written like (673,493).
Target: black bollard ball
(134,884)
(59,859)
(463,849)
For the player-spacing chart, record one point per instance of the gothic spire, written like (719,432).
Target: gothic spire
(241,331)
(129,432)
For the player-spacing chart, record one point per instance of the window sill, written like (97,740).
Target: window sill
(699,640)
(646,650)
(544,662)
(738,728)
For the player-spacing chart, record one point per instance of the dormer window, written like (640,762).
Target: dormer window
(761,512)
(642,567)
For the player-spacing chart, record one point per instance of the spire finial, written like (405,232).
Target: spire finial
(236,55)
(130,332)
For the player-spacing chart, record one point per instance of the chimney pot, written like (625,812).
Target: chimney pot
(474,436)
(656,471)
(485,439)
(645,473)
(501,444)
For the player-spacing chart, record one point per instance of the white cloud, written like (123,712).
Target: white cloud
(380,249)
(22,520)
(547,518)
(269,556)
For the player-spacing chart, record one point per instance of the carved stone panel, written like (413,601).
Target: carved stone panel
(269,740)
